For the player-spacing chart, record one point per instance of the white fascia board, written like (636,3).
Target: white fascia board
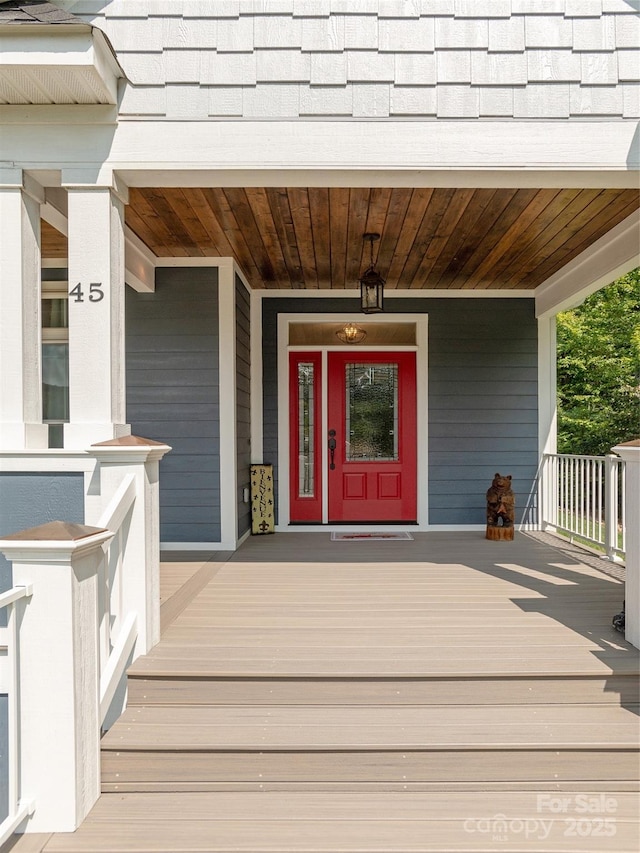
(80,50)
(614,254)
(393,153)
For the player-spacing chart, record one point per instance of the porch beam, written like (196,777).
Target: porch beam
(462,153)
(613,255)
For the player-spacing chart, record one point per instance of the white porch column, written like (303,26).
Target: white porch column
(21,424)
(630,452)
(59,764)
(96,317)
(547,416)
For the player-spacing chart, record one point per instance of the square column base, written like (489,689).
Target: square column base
(81,436)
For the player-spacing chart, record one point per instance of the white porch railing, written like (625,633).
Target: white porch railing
(583,497)
(85,602)
(18,809)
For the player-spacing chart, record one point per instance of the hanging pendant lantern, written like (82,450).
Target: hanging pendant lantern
(371,284)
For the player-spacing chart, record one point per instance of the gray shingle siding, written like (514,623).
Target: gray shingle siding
(482,396)
(173,395)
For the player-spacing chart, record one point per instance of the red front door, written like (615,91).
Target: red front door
(371,439)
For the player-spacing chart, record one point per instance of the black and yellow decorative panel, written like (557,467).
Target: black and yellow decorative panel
(262,512)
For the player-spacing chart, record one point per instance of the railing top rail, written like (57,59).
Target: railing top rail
(582,456)
(15,594)
(122,500)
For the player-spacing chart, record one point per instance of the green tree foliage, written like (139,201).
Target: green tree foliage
(599,369)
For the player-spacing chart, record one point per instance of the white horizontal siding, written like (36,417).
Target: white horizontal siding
(445,58)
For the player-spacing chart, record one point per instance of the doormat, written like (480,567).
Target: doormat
(369,537)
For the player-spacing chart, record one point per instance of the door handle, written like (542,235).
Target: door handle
(332,448)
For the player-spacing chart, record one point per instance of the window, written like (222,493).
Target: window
(55,359)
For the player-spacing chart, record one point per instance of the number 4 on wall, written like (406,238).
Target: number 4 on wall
(95,292)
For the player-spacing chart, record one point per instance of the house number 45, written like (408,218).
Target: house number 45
(96,292)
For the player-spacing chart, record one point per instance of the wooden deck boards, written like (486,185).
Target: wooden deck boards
(301,822)
(399,619)
(319,697)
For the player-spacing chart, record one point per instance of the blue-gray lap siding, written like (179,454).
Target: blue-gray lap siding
(173,395)
(482,396)
(27,500)
(243,402)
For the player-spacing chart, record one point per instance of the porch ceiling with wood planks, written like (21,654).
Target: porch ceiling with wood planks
(443,238)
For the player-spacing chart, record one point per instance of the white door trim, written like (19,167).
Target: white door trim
(284,320)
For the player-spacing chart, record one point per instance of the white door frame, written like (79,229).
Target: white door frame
(284,320)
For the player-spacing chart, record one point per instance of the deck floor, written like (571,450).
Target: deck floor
(442,603)
(365,626)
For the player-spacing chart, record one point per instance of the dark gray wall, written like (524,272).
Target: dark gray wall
(173,395)
(482,392)
(27,500)
(243,401)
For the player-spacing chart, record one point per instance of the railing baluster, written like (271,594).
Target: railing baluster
(584,498)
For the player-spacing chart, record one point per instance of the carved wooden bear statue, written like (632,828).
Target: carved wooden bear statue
(501,509)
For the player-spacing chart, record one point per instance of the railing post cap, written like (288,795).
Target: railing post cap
(129,448)
(54,531)
(56,541)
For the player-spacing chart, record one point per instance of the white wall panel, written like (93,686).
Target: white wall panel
(326,100)
(583,8)
(594,33)
(277,31)
(416,69)
(481,9)
(190,32)
(631,100)
(283,66)
(454,66)
(628,64)
(548,31)
(323,33)
(143,68)
(496,101)
(540,100)
(184,101)
(599,69)
(458,102)
(490,69)
(460,32)
(627,30)
(596,100)
(399,8)
(228,69)
(406,35)
(271,99)
(371,100)
(369,66)
(553,66)
(361,32)
(328,69)
(497,58)
(144,100)
(235,34)
(506,34)
(413,100)
(182,66)
(225,101)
